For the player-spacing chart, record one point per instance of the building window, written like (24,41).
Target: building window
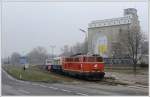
(116,22)
(129,16)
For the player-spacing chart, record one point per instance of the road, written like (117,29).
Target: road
(11,86)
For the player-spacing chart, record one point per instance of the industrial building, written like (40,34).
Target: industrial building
(103,34)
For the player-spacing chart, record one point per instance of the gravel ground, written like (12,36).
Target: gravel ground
(139,79)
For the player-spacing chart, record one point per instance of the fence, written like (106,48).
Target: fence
(117,62)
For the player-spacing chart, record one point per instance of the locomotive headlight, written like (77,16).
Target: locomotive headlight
(95,65)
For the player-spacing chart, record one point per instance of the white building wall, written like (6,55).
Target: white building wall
(109,28)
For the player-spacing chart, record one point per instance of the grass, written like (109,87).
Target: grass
(34,74)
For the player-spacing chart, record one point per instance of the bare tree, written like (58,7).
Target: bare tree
(117,50)
(75,49)
(84,45)
(37,56)
(15,58)
(131,40)
(65,50)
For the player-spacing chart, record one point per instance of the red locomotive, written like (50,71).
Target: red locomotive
(90,67)
(82,66)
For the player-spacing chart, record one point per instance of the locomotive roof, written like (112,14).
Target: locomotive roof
(83,56)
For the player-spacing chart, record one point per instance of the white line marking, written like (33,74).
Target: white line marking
(82,94)
(42,86)
(24,91)
(65,90)
(35,84)
(53,88)
(10,77)
(136,87)
(24,82)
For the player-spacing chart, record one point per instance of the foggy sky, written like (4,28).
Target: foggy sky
(26,25)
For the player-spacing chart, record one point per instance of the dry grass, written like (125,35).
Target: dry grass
(35,74)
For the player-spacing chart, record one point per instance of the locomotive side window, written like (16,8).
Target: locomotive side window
(99,59)
(71,59)
(76,59)
(67,59)
(84,59)
(91,59)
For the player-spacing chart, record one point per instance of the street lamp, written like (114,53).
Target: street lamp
(84,33)
(52,48)
(86,37)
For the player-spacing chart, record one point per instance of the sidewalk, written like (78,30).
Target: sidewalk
(131,79)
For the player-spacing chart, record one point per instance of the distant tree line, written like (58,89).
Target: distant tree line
(81,48)
(38,55)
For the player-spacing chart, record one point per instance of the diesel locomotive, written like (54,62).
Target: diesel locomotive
(81,66)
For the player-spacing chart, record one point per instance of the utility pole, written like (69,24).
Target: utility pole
(85,41)
(52,48)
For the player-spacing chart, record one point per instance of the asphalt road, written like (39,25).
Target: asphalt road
(11,86)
